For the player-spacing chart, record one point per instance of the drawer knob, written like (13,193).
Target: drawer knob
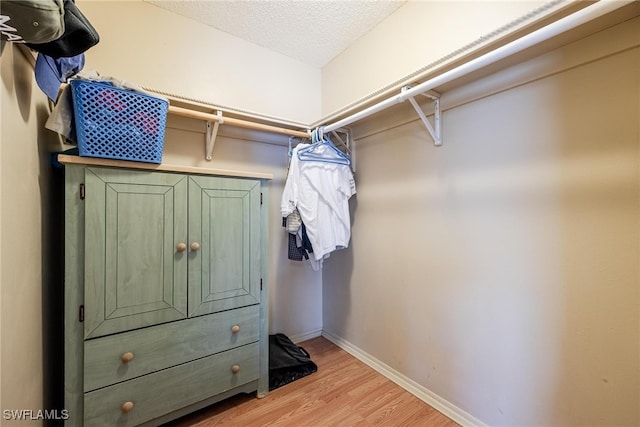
(235,369)
(235,329)
(195,246)
(126,407)
(181,247)
(127,357)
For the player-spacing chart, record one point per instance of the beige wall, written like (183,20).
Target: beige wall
(500,271)
(149,46)
(414,36)
(1,204)
(27,266)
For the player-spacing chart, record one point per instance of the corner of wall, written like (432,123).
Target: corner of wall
(26,259)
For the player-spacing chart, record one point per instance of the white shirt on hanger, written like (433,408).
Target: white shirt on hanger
(321,192)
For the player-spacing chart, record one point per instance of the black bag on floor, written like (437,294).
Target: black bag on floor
(287,361)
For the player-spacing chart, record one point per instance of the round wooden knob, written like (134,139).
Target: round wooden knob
(235,369)
(126,407)
(127,357)
(235,329)
(195,246)
(181,247)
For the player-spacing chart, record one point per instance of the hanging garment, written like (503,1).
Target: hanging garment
(79,35)
(304,239)
(30,21)
(294,222)
(52,72)
(296,252)
(320,191)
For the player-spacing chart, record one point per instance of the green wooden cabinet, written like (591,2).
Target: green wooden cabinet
(164,282)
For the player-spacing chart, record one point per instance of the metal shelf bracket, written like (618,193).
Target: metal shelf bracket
(346,142)
(212,133)
(435,130)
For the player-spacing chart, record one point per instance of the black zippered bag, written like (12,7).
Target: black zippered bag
(287,361)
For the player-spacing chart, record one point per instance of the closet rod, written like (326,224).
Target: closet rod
(179,111)
(583,16)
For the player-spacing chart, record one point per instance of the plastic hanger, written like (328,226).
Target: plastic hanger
(323,150)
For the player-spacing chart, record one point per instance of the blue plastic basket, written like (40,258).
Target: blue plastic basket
(115,123)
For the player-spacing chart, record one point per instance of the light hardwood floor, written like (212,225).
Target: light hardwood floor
(343,392)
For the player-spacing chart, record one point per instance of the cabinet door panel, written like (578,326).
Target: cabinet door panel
(224,218)
(134,276)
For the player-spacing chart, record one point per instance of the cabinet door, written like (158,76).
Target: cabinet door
(134,274)
(224,221)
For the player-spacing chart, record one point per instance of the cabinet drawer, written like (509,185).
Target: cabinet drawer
(160,393)
(116,358)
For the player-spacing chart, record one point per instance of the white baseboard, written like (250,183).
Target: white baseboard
(445,407)
(305,336)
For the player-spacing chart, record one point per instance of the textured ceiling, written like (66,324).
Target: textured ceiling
(312,31)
